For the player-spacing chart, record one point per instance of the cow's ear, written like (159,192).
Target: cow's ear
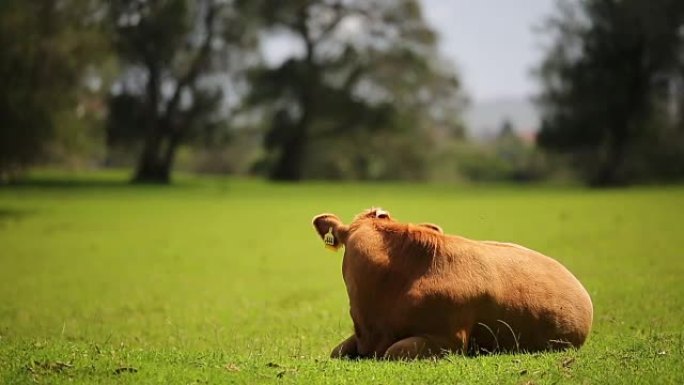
(331,230)
(433,227)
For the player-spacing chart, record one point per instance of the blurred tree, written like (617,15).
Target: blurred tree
(506,131)
(509,146)
(602,78)
(46,47)
(186,54)
(365,67)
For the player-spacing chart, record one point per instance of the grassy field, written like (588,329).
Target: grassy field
(224,281)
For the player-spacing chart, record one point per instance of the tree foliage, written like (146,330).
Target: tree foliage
(366,67)
(184,54)
(613,88)
(45,47)
(369,97)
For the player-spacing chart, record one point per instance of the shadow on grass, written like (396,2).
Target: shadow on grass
(68,183)
(8,215)
(90,183)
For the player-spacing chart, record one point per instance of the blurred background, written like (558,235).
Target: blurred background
(588,91)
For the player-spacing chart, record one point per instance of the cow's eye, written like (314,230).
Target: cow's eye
(382,214)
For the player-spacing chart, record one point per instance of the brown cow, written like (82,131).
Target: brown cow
(415,292)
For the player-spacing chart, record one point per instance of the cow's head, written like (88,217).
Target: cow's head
(334,233)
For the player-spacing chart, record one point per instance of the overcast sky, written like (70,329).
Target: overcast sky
(492,42)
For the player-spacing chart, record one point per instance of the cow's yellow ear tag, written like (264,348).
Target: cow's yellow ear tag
(329,240)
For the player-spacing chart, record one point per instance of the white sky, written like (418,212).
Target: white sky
(492,42)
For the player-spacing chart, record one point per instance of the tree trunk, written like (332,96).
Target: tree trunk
(289,164)
(153,171)
(153,167)
(609,171)
(150,167)
(158,156)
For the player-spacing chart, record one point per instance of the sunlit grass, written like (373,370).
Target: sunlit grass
(224,281)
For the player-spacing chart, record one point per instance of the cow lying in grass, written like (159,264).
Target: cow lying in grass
(415,292)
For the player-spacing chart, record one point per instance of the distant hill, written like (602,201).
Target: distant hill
(484,119)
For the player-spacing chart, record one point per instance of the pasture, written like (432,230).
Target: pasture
(224,281)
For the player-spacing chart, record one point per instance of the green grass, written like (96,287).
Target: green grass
(224,281)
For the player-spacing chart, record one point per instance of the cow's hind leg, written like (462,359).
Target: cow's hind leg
(419,347)
(346,349)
